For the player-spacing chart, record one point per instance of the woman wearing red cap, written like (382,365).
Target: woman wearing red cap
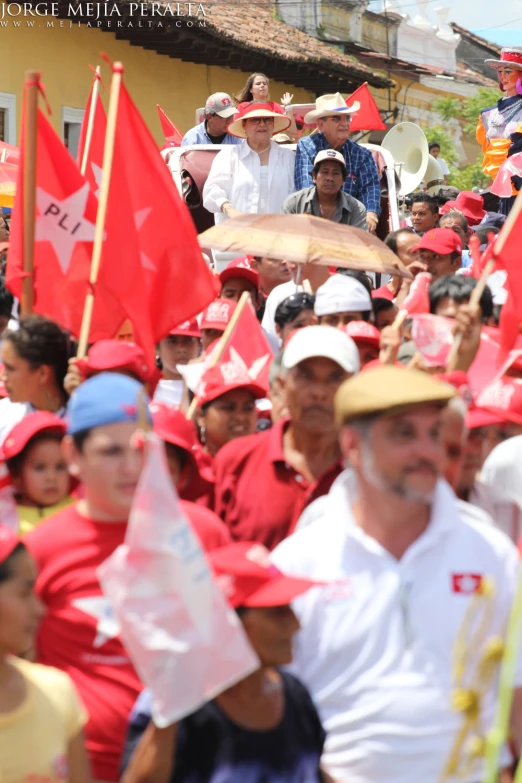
(226,407)
(254,177)
(499,127)
(41,717)
(264,728)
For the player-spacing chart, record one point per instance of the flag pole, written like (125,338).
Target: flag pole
(219,350)
(90,121)
(474,301)
(108,154)
(29,188)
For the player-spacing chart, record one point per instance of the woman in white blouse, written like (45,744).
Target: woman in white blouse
(254,177)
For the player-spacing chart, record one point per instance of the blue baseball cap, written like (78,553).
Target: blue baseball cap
(107,398)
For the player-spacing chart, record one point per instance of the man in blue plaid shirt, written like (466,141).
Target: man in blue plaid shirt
(333,119)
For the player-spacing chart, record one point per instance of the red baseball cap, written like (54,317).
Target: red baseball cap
(503,398)
(33,424)
(173,427)
(218,314)
(469,204)
(240,267)
(363,332)
(246,575)
(187,329)
(115,355)
(475,416)
(440,240)
(219,380)
(8,542)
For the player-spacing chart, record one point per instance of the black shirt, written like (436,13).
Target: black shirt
(213,749)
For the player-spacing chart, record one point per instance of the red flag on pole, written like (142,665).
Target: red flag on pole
(170,131)
(178,282)
(368,117)
(65,218)
(92,165)
(506,252)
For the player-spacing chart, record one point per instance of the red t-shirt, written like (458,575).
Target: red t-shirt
(257,494)
(77,634)
(383,293)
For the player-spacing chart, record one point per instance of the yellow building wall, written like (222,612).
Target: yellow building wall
(63,55)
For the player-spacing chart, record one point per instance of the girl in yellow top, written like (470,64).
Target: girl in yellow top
(32,451)
(41,718)
(497,123)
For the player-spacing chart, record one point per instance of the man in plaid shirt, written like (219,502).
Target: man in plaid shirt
(333,119)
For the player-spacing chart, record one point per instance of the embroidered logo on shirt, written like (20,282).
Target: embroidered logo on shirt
(466,583)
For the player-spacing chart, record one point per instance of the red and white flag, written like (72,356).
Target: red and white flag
(64,232)
(185,642)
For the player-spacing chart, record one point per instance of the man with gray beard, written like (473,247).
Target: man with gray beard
(401,561)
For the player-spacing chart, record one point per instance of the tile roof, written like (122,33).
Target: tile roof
(252,25)
(475,38)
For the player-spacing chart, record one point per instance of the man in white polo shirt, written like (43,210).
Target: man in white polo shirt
(403,561)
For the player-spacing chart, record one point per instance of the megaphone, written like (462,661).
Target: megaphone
(409,148)
(434,177)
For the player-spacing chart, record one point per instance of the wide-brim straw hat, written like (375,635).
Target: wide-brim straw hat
(330,106)
(281,121)
(510,56)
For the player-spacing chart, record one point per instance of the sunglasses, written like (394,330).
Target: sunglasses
(259,120)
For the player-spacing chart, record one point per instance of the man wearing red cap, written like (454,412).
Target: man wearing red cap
(440,250)
(215,320)
(264,481)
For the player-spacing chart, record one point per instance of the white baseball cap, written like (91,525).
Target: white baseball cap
(342,294)
(221,103)
(321,341)
(330,155)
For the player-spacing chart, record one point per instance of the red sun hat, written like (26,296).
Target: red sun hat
(186,329)
(440,240)
(218,381)
(363,332)
(33,424)
(8,542)
(247,577)
(218,314)
(470,204)
(115,355)
(240,267)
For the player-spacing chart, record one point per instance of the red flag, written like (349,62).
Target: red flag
(506,252)
(65,219)
(418,300)
(179,285)
(93,168)
(170,131)
(368,117)
(8,153)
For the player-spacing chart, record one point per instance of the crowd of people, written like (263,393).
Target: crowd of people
(356,504)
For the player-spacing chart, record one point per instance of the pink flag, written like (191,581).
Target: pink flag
(185,641)
(433,338)
(418,300)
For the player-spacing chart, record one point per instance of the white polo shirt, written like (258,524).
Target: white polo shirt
(375,646)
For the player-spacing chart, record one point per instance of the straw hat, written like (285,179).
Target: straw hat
(330,106)
(281,121)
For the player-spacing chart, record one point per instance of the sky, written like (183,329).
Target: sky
(500,21)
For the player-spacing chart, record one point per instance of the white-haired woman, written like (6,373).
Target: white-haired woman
(254,177)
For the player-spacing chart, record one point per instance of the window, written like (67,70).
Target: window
(71,126)
(8,117)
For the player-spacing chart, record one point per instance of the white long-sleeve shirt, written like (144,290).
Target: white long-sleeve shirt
(235,176)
